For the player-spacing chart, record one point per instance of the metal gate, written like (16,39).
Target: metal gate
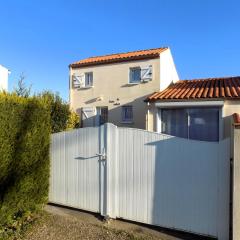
(143,176)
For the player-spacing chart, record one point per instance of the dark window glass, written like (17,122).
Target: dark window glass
(127,113)
(135,75)
(193,123)
(175,122)
(204,124)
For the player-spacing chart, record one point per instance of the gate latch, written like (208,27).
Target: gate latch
(102,155)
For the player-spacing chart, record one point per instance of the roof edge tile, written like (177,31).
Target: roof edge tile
(119,57)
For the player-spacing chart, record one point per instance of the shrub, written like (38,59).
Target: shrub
(73,121)
(24,156)
(61,116)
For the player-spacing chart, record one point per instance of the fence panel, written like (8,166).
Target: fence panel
(145,177)
(174,182)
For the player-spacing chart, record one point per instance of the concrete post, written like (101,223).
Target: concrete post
(236,183)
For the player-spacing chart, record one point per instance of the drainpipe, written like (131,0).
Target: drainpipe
(147,118)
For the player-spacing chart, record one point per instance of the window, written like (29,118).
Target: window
(143,74)
(204,124)
(83,80)
(193,123)
(88,79)
(175,122)
(127,114)
(135,75)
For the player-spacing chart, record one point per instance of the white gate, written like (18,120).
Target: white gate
(145,177)
(75,173)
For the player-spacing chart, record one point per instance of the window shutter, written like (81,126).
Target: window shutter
(78,81)
(146,73)
(88,116)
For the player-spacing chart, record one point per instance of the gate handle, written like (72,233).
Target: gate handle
(102,154)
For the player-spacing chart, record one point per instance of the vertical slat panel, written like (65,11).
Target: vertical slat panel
(75,169)
(173,182)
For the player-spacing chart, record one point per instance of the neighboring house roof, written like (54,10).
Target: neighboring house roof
(119,57)
(197,89)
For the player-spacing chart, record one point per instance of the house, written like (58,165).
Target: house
(199,109)
(4,72)
(112,88)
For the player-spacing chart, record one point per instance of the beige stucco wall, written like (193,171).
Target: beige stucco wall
(111,82)
(152,117)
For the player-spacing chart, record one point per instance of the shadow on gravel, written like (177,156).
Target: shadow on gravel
(174,233)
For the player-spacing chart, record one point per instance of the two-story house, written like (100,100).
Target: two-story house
(4,72)
(112,88)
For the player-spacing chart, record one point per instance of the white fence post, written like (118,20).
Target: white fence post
(111,170)
(102,170)
(108,170)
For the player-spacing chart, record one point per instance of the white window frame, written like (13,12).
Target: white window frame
(122,114)
(161,105)
(85,78)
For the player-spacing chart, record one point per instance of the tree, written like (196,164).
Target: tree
(62,118)
(22,90)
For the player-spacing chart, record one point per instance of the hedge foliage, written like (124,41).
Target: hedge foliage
(24,156)
(62,118)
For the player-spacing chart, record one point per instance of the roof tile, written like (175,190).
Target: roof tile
(209,88)
(119,57)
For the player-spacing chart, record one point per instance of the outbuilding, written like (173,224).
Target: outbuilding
(199,109)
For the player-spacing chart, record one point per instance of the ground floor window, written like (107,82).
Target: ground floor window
(193,123)
(127,114)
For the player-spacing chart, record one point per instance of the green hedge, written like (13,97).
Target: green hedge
(24,156)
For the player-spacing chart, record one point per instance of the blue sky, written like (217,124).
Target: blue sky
(41,38)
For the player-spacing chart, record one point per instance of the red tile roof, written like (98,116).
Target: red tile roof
(210,88)
(236,118)
(119,57)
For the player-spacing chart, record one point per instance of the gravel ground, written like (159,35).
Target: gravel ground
(61,224)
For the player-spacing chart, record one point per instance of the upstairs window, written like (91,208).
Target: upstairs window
(140,74)
(127,114)
(83,80)
(135,75)
(88,79)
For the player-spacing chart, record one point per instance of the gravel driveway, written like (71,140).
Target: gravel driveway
(61,224)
